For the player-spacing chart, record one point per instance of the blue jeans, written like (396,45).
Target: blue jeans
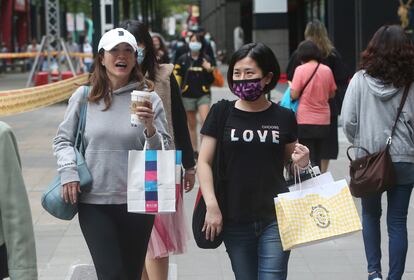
(398,200)
(255,251)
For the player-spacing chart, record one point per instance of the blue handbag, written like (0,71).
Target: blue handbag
(287,102)
(52,200)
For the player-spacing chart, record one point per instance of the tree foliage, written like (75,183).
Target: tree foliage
(77,6)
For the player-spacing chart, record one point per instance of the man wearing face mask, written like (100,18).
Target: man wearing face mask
(194,72)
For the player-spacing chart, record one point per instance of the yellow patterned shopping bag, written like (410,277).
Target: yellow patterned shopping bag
(315,214)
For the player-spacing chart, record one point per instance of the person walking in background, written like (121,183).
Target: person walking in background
(169,234)
(208,46)
(368,113)
(316,32)
(182,45)
(194,71)
(87,61)
(34,47)
(161,50)
(117,239)
(259,139)
(72,47)
(313,84)
(210,40)
(3,62)
(17,242)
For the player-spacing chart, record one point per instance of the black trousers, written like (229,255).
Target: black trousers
(117,240)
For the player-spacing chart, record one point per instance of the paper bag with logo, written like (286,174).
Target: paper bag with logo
(154,181)
(315,214)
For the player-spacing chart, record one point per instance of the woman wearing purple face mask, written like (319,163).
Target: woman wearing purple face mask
(258,139)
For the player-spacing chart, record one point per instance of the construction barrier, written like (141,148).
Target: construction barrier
(33,54)
(28,99)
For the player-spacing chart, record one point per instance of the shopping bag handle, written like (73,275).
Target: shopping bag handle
(352,147)
(296,174)
(162,146)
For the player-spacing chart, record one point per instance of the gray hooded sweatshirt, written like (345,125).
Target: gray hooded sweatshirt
(368,114)
(108,137)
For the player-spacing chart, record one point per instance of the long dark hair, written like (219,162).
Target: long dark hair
(389,56)
(141,34)
(101,86)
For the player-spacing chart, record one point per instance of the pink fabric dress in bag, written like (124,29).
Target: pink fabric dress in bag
(169,234)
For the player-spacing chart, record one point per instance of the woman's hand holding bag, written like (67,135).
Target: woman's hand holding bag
(213,224)
(300,156)
(70,192)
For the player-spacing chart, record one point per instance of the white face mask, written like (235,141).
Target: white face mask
(195,46)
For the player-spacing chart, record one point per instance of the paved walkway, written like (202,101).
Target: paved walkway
(60,245)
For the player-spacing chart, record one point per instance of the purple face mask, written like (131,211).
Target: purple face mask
(249,90)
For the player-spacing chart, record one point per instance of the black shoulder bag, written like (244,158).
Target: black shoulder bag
(200,209)
(374,173)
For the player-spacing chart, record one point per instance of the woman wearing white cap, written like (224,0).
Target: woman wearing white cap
(117,240)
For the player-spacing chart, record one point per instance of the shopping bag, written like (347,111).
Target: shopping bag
(154,181)
(300,175)
(287,102)
(316,214)
(218,78)
(317,179)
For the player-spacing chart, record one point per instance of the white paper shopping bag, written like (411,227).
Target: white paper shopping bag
(320,180)
(316,214)
(154,179)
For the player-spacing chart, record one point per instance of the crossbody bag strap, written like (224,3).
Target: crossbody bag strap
(307,82)
(82,120)
(403,99)
(223,115)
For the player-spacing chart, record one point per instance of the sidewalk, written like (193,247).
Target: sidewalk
(60,244)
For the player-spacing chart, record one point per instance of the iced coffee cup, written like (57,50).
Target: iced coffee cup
(139,99)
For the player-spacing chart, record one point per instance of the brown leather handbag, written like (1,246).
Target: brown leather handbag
(374,173)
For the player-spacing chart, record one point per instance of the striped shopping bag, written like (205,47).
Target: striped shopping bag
(154,181)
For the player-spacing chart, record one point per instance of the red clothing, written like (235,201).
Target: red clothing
(313,106)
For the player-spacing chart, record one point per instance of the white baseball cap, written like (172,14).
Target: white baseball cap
(116,36)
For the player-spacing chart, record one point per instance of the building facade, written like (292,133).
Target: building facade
(14,23)
(281,24)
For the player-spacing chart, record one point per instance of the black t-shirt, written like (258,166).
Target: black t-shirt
(253,159)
